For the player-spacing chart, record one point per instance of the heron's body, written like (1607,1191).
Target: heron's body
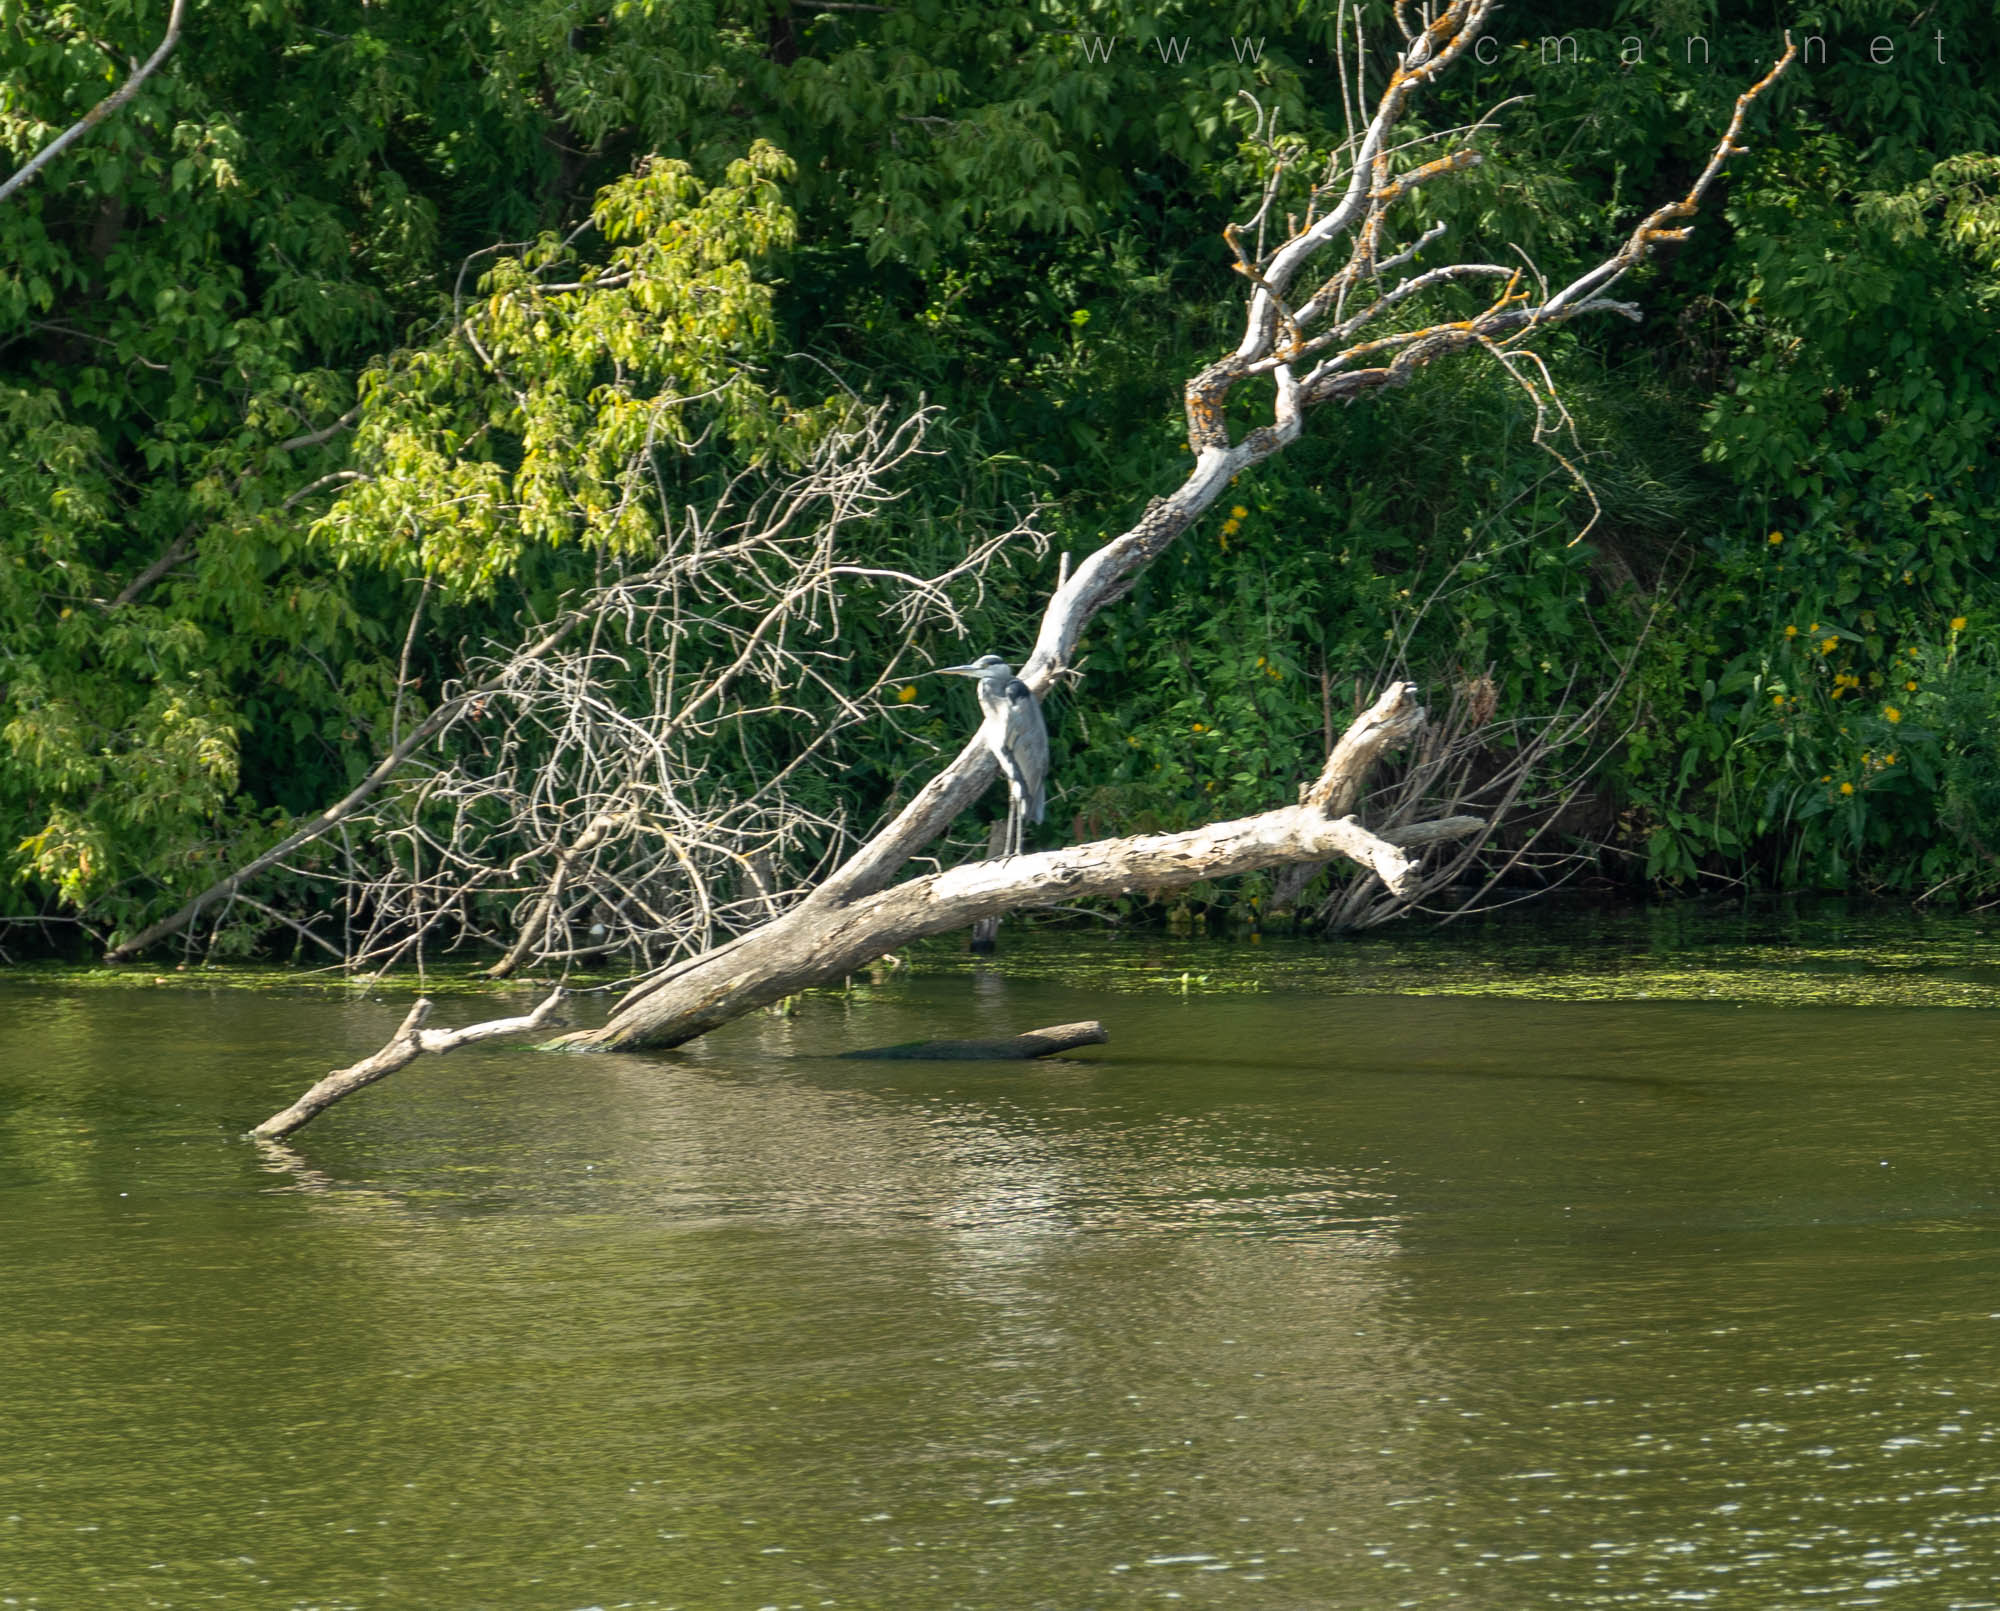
(1013,730)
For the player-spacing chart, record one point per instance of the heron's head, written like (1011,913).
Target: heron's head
(987,665)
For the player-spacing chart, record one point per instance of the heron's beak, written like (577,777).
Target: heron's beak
(958,671)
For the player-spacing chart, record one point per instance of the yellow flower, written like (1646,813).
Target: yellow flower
(1890,713)
(1814,627)
(1239,513)
(1827,645)
(1777,699)
(1906,578)
(1198,727)
(1909,687)
(1958,623)
(1889,759)
(1791,632)
(1847,788)
(1826,780)
(906,693)
(1775,537)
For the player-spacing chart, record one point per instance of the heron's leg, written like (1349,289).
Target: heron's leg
(1016,794)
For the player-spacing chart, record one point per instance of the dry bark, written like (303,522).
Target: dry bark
(1313,333)
(1314,342)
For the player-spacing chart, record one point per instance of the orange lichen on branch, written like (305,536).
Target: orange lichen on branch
(1416,176)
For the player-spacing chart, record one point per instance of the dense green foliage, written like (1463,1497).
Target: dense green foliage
(202,301)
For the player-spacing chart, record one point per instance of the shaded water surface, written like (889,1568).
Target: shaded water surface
(1292,1296)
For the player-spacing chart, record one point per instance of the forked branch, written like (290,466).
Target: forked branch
(404,1047)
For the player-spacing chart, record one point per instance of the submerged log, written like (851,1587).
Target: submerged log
(1015,1048)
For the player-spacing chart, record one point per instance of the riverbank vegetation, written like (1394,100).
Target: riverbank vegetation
(337,357)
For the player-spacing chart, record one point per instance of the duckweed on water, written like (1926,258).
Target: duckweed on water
(1797,954)
(1796,957)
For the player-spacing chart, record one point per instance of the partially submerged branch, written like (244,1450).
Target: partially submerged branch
(1315,333)
(1302,337)
(404,1047)
(1024,1047)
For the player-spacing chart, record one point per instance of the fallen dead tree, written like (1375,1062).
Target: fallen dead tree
(1314,340)
(1313,334)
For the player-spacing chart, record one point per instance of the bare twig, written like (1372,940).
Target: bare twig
(443,716)
(577,810)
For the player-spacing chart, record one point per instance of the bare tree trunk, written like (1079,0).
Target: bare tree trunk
(1312,346)
(843,925)
(1310,336)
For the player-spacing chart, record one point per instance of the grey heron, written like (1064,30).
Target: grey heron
(1014,731)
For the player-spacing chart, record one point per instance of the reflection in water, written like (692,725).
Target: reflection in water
(1290,1298)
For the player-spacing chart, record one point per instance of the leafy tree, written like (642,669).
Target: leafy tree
(1001,206)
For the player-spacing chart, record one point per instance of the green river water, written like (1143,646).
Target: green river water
(1629,1261)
